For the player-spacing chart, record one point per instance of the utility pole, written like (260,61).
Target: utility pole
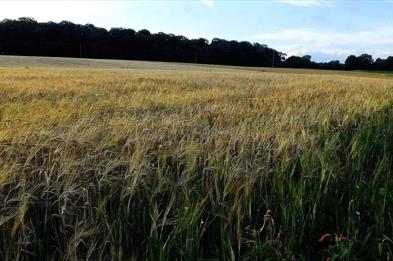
(80,49)
(80,42)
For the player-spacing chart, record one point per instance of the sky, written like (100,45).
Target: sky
(325,29)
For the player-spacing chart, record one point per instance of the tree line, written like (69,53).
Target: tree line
(25,36)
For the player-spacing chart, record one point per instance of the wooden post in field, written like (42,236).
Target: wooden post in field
(80,42)
(80,49)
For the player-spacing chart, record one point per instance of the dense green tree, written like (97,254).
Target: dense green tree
(362,62)
(26,36)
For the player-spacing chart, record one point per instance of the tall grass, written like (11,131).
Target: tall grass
(160,165)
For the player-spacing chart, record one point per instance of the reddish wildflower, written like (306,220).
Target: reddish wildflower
(251,231)
(277,239)
(327,259)
(325,238)
(341,238)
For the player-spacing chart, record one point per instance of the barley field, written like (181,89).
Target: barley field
(156,161)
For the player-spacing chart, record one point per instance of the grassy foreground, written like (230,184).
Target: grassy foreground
(185,165)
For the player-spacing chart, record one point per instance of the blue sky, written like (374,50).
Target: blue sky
(325,29)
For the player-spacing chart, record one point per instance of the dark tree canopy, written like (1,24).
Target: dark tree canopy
(361,62)
(300,62)
(25,36)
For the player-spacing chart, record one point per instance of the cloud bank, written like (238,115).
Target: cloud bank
(378,41)
(307,3)
(208,3)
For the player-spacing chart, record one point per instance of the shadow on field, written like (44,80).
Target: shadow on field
(71,200)
(334,199)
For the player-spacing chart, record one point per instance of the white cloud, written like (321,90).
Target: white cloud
(84,11)
(307,2)
(208,3)
(320,38)
(300,50)
(378,41)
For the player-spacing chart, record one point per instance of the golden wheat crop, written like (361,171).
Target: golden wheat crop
(100,106)
(71,137)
